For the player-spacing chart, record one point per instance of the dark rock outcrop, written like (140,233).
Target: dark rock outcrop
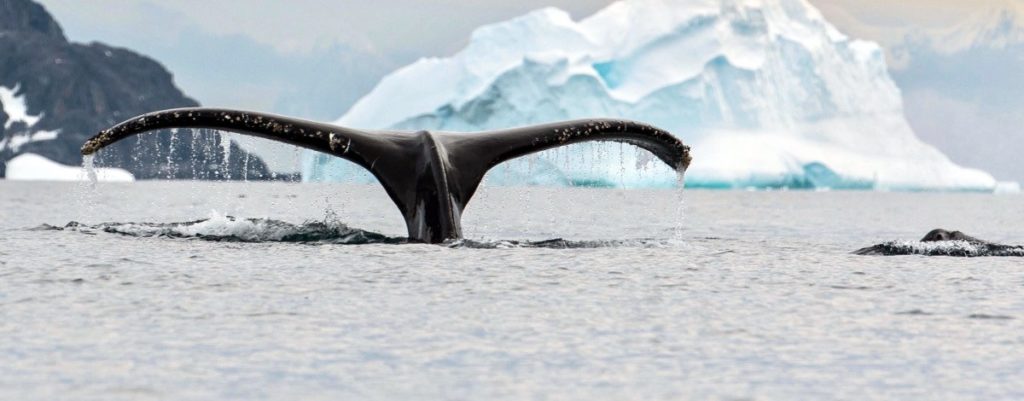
(78,90)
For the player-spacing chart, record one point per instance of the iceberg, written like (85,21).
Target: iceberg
(33,167)
(767,92)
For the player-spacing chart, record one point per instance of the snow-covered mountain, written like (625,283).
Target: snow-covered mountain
(962,87)
(767,92)
(997,26)
(55,94)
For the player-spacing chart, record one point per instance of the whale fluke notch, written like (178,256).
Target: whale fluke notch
(431,176)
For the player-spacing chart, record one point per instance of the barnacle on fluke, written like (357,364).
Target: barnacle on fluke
(430,176)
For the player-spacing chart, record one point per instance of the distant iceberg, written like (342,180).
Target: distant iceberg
(33,167)
(768,94)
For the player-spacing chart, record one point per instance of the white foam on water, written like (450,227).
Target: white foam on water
(221,225)
(950,248)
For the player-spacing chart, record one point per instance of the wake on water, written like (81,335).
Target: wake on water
(332,231)
(943,248)
(222,228)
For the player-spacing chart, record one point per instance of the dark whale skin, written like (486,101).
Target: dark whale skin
(431,176)
(975,247)
(939,234)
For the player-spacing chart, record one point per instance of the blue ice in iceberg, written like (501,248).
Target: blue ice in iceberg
(767,92)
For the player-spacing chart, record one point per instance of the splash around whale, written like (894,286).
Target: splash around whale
(430,176)
(940,242)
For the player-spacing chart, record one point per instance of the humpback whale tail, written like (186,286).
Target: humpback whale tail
(431,176)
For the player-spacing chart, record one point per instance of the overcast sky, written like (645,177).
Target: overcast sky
(271,54)
(399,27)
(410,27)
(313,58)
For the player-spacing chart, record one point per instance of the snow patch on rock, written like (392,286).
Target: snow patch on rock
(16,108)
(15,142)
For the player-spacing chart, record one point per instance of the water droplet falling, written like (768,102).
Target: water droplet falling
(225,144)
(245,167)
(170,154)
(87,195)
(89,164)
(677,232)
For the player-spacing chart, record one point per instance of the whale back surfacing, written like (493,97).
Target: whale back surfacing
(430,176)
(941,242)
(939,235)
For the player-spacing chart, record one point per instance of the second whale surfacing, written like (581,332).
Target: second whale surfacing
(940,242)
(430,176)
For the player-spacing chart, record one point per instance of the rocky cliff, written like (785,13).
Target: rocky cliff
(56,94)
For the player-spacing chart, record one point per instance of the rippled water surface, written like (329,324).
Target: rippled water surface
(303,292)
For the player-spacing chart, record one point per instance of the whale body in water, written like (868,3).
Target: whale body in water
(941,242)
(430,176)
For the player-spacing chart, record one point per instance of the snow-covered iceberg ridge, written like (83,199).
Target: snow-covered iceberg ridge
(767,92)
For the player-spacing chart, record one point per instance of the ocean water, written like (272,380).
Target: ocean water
(733,296)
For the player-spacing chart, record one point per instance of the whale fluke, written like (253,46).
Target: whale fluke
(430,176)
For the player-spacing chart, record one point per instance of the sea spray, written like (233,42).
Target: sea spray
(622,163)
(209,138)
(89,164)
(137,149)
(225,144)
(157,155)
(171,169)
(298,167)
(677,231)
(297,160)
(193,151)
(87,195)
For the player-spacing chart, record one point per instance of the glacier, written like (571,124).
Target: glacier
(767,92)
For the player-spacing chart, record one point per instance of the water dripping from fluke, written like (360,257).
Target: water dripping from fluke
(679,229)
(89,164)
(225,144)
